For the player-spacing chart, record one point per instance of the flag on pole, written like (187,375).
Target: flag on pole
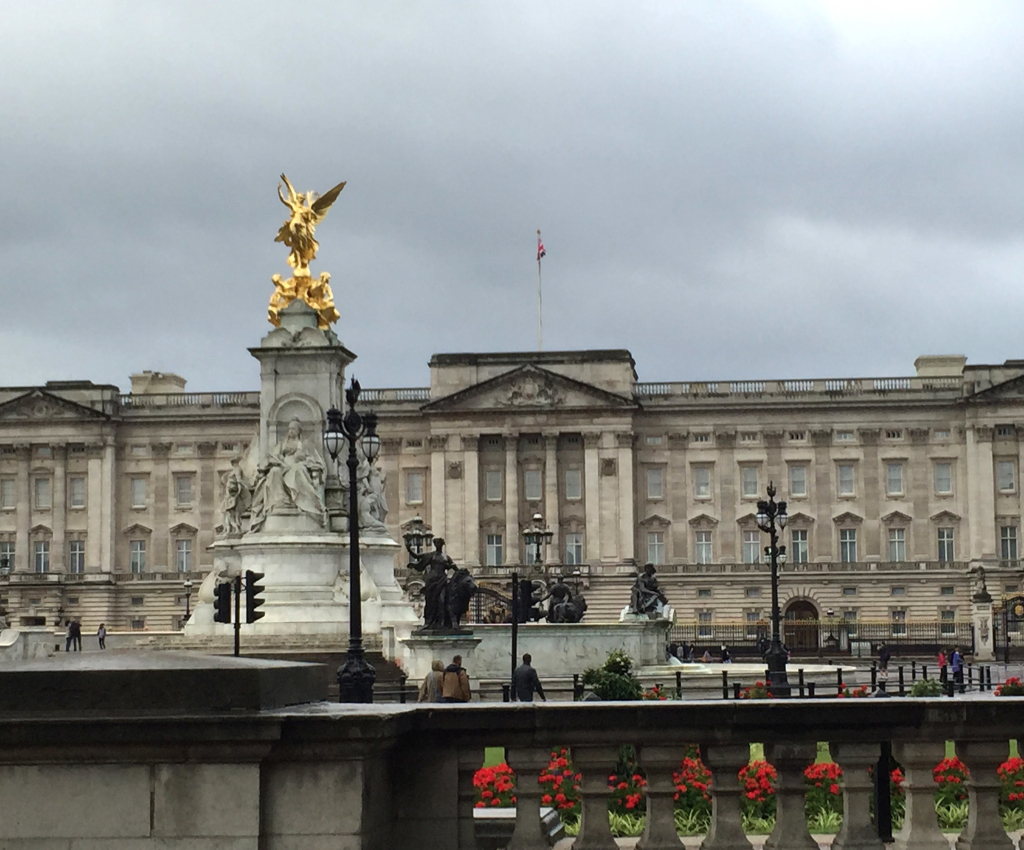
(540,247)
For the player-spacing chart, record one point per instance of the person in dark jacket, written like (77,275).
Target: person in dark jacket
(455,682)
(525,682)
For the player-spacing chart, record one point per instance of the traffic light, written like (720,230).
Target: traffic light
(222,603)
(252,596)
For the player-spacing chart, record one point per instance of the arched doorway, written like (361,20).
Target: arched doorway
(801,629)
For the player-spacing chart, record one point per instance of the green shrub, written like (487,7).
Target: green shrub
(926,688)
(614,680)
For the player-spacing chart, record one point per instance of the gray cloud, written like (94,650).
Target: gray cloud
(742,190)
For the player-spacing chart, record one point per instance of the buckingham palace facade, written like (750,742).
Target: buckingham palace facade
(898,488)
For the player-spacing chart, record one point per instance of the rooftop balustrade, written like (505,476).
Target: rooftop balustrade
(328,775)
(798,388)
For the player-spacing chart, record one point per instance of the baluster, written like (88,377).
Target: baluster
(470,759)
(528,763)
(920,825)
(726,831)
(857,831)
(660,829)
(790,761)
(596,764)
(984,826)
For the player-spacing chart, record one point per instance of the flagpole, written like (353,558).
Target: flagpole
(540,304)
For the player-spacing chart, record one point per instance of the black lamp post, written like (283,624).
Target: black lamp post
(537,536)
(355,676)
(187,584)
(771,518)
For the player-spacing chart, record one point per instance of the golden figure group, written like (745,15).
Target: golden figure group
(307,210)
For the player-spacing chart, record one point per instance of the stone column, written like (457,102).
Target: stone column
(528,763)
(512,499)
(208,503)
(592,493)
(824,547)
(108,518)
(857,831)
(660,829)
(158,558)
(627,497)
(595,763)
(551,517)
(874,542)
(921,824)
(981,616)
(94,508)
(678,489)
(984,826)
(58,509)
(22,555)
(438,443)
(981,496)
(471,489)
(470,760)
(726,831)
(790,761)
(725,470)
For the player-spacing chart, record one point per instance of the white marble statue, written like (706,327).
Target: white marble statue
(237,499)
(373,505)
(292,479)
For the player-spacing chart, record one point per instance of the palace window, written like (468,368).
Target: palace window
(703,592)
(751,547)
(1008,543)
(573,549)
(798,480)
(752,620)
(849,591)
(844,436)
(848,545)
(183,490)
(653,441)
(655,483)
(846,479)
(943,477)
(748,476)
(7,555)
(897,544)
(137,556)
(947,590)
(573,485)
(76,492)
(702,547)
(492,482)
(533,485)
(898,622)
(1006,476)
(799,553)
(946,544)
(76,556)
(183,554)
(947,623)
(894,479)
(494,550)
(8,499)
(138,624)
(413,488)
(752,592)
(43,497)
(704,624)
(702,482)
(138,488)
(41,559)
(656,547)
(898,590)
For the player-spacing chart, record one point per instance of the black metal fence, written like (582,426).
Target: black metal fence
(818,638)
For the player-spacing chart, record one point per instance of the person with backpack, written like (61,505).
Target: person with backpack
(430,690)
(455,682)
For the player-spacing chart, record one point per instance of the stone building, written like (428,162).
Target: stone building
(898,488)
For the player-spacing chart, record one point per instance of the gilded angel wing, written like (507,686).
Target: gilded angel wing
(323,203)
(292,199)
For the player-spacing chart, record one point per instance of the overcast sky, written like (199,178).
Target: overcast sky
(729,190)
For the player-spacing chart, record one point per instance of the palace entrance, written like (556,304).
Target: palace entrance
(801,626)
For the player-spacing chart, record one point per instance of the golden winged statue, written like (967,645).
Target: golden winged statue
(308,209)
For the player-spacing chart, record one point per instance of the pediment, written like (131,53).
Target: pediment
(183,528)
(703,521)
(137,528)
(846,518)
(748,520)
(40,406)
(800,518)
(945,516)
(40,530)
(1011,389)
(656,520)
(896,518)
(531,388)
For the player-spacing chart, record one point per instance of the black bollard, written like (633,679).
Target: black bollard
(577,688)
(839,680)
(402,679)
(988,676)
(725,685)
(944,674)
(810,690)
(506,692)
(679,685)
(913,671)
(874,677)
(970,677)
(950,689)
(883,803)
(800,678)
(736,690)
(924,671)
(903,690)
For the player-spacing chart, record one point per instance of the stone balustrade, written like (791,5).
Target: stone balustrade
(327,775)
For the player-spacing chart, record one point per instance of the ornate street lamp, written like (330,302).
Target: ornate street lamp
(537,536)
(771,518)
(418,534)
(356,676)
(187,584)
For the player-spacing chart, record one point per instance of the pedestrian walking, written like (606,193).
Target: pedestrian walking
(76,635)
(67,636)
(455,682)
(525,682)
(956,664)
(431,688)
(941,659)
(883,657)
(726,657)
(101,636)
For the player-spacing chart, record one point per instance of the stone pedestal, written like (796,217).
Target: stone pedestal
(981,616)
